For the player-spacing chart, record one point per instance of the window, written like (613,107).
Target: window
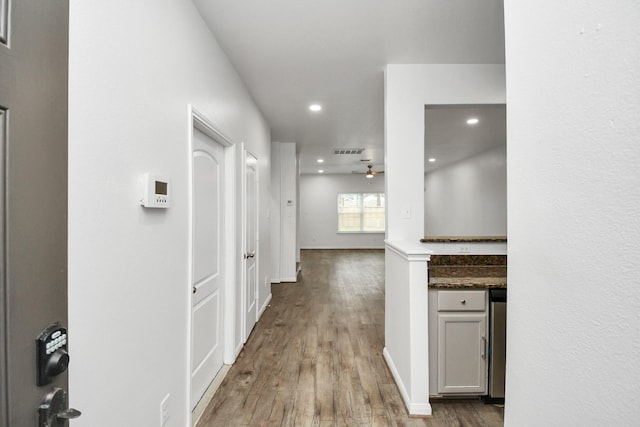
(361,212)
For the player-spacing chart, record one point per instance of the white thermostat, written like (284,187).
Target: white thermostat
(155,191)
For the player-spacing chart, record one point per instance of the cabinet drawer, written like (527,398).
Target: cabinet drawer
(461,300)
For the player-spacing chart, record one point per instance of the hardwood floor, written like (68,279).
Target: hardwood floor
(315,357)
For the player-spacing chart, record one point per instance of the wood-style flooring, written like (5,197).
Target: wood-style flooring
(315,357)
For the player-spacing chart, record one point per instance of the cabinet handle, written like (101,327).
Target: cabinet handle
(463,301)
(484,347)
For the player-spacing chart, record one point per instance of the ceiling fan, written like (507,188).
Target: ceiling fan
(370,173)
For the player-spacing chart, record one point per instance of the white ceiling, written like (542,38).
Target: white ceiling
(291,53)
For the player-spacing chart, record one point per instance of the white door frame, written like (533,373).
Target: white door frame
(243,304)
(199,121)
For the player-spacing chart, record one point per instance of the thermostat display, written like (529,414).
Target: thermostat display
(161,187)
(155,191)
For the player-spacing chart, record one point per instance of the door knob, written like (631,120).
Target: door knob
(57,363)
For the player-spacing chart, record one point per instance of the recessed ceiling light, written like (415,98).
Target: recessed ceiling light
(320,171)
(315,107)
(431,160)
(472,121)
(320,160)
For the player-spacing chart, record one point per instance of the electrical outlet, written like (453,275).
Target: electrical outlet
(164,410)
(406,212)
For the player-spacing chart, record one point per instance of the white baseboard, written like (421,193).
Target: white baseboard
(237,351)
(285,280)
(419,409)
(343,248)
(198,411)
(264,306)
(397,378)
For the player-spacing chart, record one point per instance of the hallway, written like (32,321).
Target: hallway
(315,357)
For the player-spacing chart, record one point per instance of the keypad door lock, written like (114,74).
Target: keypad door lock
(54,410)
(51,353)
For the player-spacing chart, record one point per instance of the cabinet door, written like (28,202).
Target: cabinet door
(462,350)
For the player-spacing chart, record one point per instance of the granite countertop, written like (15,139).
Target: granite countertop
(463,239)
(467,282)
(468,272)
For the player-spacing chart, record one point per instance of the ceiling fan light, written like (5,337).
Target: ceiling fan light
(369,175)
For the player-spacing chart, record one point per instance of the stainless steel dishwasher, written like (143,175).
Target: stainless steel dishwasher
(497,344)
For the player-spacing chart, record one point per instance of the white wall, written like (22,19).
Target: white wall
(408,88)
(468,198)
(319,218)
(134,68)
(298,212)
(288,211)
(574,196)
(275,223)
(406,347)
(285,199)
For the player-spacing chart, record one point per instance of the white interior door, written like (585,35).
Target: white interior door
(250,244)
(208,223)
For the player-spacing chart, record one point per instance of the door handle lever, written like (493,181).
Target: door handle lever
(55,411)
(69,414)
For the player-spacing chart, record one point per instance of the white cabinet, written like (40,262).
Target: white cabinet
(462,345)
(461,342)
